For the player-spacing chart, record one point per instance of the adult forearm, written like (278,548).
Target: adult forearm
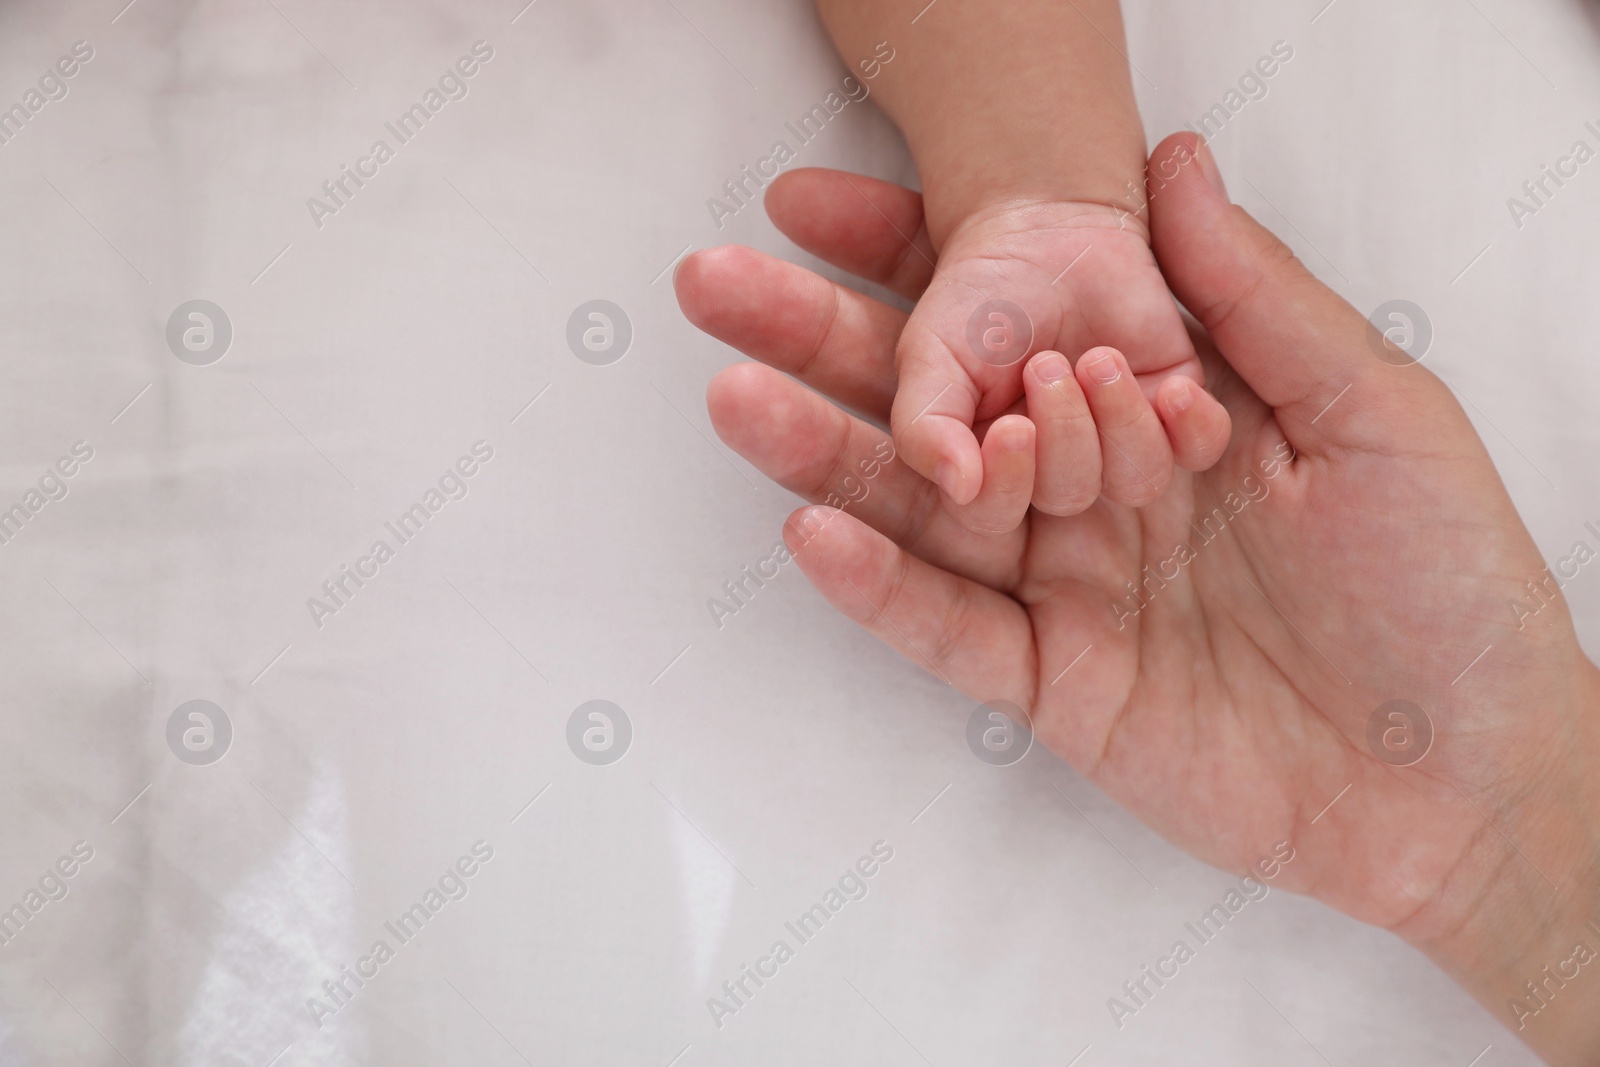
(1003,99)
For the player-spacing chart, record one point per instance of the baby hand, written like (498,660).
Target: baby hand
(1048,364)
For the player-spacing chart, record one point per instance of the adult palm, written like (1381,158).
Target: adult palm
(1232,708)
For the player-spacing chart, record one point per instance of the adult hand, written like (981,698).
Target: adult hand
(1229,643)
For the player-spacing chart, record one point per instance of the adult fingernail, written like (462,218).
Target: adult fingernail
(1208,167)
(1052,367)
(1103,368)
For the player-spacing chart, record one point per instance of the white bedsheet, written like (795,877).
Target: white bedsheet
(375,345)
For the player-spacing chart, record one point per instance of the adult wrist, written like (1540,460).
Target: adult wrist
(1518,922)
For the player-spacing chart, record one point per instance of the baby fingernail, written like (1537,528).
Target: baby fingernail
(1052,367)
(1182,397)
(945,475)
(1103,368)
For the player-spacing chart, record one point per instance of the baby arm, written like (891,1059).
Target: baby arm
(1022,121)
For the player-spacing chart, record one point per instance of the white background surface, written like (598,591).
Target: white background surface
(776,750)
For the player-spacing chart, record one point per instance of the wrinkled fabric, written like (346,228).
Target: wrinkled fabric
(388,730)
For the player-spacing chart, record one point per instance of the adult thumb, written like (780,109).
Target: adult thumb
(1293,340)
